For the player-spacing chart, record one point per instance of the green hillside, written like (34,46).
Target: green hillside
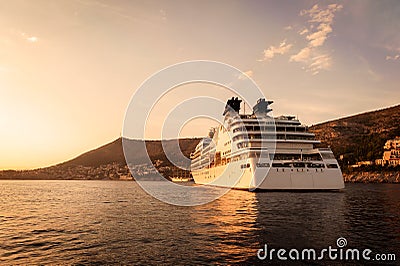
(360,137)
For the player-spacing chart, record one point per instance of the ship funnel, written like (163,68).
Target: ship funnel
(232,104)
(262,107)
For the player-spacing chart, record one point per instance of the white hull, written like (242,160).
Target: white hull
(275,178)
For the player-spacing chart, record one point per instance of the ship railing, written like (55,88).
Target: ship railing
(324,149)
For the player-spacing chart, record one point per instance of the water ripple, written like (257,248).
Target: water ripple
(106,223)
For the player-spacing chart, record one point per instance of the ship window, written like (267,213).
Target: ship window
(312,157)
(299,165)
(287,165)
(332,165)
(262,164)
(327,155)
(315,165)
(283,156)
(249,128)
(281,136)
(269,128)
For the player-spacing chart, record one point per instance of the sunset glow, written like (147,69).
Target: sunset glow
(68,69)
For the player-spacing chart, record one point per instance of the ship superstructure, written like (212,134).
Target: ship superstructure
(258,151)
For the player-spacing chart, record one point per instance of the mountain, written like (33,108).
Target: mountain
(360,137)
(113,152)
(106,154)
(108,161)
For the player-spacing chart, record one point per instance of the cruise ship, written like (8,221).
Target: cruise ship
(259,152)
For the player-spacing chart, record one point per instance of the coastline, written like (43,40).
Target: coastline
(353,177)
(372,177)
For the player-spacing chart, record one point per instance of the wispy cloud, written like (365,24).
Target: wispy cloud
(318,37)
(394,57)
(246,74)
(163,14)
(301,56)
(318,63)
(368,69)
(32,39)
(249,73)
(112,7)
(322,15)
(316,33)
(29,38)
(270,53)
(304,31)
(315,63)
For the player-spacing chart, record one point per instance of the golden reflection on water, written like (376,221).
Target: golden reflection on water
(233,219)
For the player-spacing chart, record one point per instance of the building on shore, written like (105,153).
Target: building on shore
(391,154)
(362,163)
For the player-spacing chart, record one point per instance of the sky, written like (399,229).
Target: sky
(68,69)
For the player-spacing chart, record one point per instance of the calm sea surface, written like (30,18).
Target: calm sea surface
(106,222)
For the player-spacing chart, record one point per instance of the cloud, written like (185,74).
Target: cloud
(395,57)
(246,74)
(304,31)
(318,37)
(319,15)
(321,20)
(249,73)
(163,14)
(319,27)
(301,56)
(313,10)
(322,62)
(270,53)
(368,69)
(32,39)
(28,38)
